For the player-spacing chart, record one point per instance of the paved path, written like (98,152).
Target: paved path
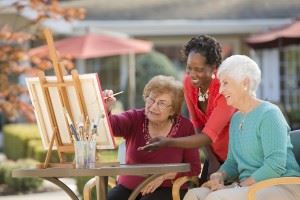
(55,194)
(58,195)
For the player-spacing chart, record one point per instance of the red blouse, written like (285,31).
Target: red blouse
(214,122)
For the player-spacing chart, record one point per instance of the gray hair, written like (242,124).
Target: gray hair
(240,67)
(161,84)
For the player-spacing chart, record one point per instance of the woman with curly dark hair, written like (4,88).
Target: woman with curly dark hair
(207,108)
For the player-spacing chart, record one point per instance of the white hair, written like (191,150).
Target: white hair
(240,67)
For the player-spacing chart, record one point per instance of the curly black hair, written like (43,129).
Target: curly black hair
(205,45)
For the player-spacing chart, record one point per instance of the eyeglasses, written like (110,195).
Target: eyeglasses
(160,104)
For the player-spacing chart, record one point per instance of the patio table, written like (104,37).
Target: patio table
(150,171)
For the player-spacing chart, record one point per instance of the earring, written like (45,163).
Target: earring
(213,76)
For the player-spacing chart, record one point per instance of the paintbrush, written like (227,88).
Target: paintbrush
(71,125)
(115,94)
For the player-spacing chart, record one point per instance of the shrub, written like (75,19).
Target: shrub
(147,66)
(32,146)
(81,181)
(16,138)
(3,168)
(20,184)
(294,118)
(36,151)
(23,141)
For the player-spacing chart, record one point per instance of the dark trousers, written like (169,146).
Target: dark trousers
(122,193)
(204,173)
(211,165)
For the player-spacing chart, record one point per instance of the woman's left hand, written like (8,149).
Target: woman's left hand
(216,181)
(213,185)
(153,185)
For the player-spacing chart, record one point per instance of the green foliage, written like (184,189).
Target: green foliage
(147,66)
(32,147)
(294,118)
(107,156)
(23,141)
(3,169)
(37,152)
(80,182)
(2,172)
(16,138)
(19,184)
(150,65)
(294,115)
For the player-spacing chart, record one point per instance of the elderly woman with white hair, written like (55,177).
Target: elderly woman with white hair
(259,143)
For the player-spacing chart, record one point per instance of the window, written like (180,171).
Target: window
(290,77)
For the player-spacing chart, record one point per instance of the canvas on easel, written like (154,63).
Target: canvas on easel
(77,95)
(94,103)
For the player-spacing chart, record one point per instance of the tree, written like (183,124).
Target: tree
(150,65)
(14,59)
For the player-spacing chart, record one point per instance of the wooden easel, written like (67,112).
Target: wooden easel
(62,149)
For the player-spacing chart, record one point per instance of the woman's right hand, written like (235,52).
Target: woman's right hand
(155,143)
(109,100)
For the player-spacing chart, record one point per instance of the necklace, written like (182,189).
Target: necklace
(251,107)
(242,122)
(172,132)
(202,96)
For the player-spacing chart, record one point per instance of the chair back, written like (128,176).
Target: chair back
(295,139)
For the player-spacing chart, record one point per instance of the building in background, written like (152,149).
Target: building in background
(278,52)
(169,24)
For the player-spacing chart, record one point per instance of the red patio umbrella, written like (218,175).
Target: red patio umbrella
(282,36)
(100,45)
(95,45)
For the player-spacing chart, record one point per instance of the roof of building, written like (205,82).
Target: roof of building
(179,27)
(187,9)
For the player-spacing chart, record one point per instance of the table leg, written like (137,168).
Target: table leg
(101,187)
(63,186)
(137,190)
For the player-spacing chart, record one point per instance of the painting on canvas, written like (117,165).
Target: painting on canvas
(94,102)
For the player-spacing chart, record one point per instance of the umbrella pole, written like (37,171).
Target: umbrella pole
(132,81)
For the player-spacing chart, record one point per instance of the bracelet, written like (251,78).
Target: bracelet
(236,185)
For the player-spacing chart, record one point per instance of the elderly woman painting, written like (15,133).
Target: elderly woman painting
(163,97)
(259,144)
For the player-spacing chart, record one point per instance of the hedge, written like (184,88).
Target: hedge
(19,184)
(24,141)
(16,139)
(147,66)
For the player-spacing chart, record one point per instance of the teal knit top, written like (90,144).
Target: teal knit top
(260,146)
